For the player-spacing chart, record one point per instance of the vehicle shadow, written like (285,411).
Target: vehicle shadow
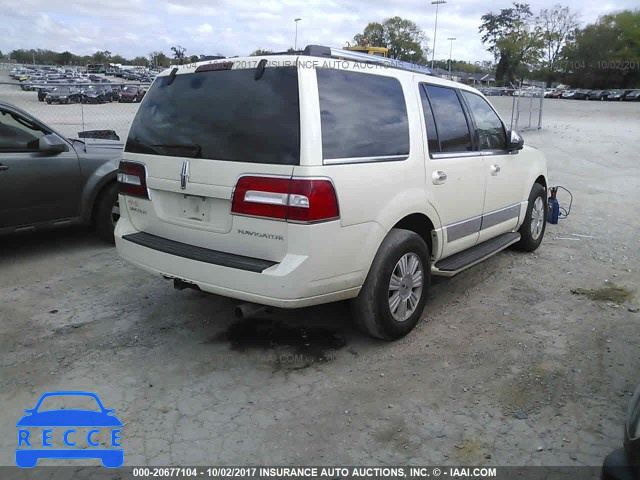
(36,245)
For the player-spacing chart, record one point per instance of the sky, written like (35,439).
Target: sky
(137,27)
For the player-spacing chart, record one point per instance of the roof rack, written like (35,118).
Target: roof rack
(321,51)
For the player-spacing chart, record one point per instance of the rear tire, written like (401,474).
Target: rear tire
(535,221)
(394,293)
(107,212)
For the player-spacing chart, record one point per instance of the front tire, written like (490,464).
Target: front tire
(535,221)
(394,293)
(107,212)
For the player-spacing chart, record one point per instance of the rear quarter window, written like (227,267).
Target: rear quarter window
(363,116)
(451,122)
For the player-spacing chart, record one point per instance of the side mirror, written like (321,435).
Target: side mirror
(52,144)
(515,141)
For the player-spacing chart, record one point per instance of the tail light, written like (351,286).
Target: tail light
(306,200)
(132,178)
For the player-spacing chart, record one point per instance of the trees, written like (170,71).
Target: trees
(178,53)
(140,61)
(49,57)
(513,38)
(374,35)
(404,39)
(39,56)
(464,66)
(605,54)
(158,59)
(101,56)
(558,27)
(65,58)
(119,59)
(260,51)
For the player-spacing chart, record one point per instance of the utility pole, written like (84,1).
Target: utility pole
(437,3)
(295,43)
(451,39)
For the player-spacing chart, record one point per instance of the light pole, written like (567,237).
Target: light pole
(437,3)
(295,43)
(451,39)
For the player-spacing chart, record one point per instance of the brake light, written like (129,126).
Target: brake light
(132,178)
(306,200)
(261,197)
(312,201)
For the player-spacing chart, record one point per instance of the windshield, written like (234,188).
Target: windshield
(222,115)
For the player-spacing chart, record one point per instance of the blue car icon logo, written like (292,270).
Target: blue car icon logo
(102,424)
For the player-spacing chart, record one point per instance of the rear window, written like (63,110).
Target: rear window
(363,116)
(222,115)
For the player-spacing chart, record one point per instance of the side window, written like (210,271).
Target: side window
(489,128)
(451,123)
(362,115)
(432,133)
(17,134)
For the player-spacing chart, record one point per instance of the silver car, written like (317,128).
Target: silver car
(48,180)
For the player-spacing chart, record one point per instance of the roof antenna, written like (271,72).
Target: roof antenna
(262,64)
(172,75)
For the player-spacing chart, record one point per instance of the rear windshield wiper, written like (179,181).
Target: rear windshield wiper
(192,150)
(187,150)
(134,145)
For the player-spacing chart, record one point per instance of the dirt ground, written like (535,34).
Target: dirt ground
(507,366)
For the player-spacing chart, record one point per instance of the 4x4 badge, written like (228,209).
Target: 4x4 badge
(184,174)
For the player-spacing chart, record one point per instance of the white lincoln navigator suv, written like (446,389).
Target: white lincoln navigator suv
(298,179)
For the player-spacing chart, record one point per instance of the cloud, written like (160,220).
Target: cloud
(136,27)
(205,28)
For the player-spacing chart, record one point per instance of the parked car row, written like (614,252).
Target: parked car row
(525,91)
(142,76)
(497,91)
(57,85)
(64,87)
(632,95)
(65,94)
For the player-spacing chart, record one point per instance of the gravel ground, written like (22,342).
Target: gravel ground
(507,366)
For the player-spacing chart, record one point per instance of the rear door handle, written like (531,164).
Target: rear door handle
(4,167)
(438,177)
(495,170)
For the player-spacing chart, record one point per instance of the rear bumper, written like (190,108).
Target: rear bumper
(199,254)
(291,283)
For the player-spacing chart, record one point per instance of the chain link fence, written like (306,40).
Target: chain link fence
(528,102)
(73,108)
